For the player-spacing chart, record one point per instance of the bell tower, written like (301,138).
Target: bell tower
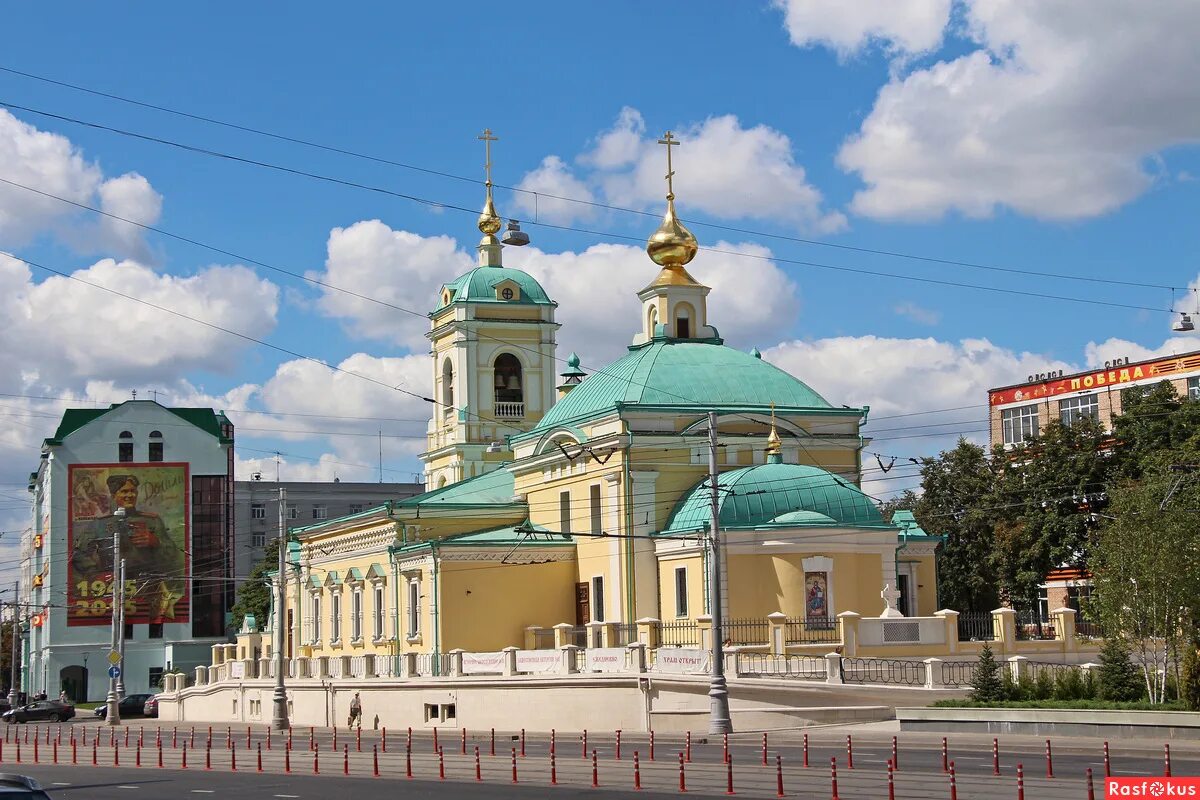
(492,337)
(674,305)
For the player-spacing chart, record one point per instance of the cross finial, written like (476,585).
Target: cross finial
(487,139)
(670,141)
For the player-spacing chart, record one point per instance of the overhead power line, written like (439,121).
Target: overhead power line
(590,203)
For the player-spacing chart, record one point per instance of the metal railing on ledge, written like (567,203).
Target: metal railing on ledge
(883,670)
(976,626)
(812,630)
(1032,626)
(747,632)
(769,666)
(679,634)
(508,410)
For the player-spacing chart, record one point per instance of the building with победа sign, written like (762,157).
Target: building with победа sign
(1019,412)
(571,512)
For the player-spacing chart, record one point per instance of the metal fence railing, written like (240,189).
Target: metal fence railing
(744,632)
(812,630)
(1031,626)
(769,666)
(679,634)
(883,670)
(976,626)
(957,673)
(543,639)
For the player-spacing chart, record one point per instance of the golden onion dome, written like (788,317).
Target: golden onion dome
(672,245)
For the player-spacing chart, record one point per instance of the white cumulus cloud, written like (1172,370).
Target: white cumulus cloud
(1059,110)
(900,25)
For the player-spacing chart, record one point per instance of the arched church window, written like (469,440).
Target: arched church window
(683,321)
(125,447)
(447,386)
(509,391)
(652,320)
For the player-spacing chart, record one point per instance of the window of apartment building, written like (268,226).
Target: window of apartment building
(316,618)
(564,512)
(598,599)
(156,446)
(594,502)
(125,447)
(258,538)
(380,599)
(1193,388)
(155,630)
(356,615)
(681,592)
(335,618)
(1019,423)
(1073,409)
(258,511)
(356,508)
(155,676)
(321,511)
(292,511)
(128,630)
(414,608)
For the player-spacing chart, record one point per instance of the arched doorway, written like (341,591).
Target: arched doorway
(74,681)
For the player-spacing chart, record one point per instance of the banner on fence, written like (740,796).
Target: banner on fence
(482,663)
(681,659)
(538,660)
(604,659)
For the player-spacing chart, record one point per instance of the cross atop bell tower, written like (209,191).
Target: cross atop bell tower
(489,221)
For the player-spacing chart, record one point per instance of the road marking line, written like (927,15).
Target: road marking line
(128,787)
(60,783)
(203,791)
(287,795)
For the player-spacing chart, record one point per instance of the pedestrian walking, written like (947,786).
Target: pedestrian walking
(355,712)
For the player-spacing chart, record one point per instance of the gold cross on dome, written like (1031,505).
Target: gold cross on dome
(670,141)
(487,148)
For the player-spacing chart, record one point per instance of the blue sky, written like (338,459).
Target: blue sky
(1049,137)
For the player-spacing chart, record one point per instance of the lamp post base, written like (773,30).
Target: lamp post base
(112,715)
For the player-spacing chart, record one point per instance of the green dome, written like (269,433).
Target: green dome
(777,496)
(479,286)
(676,374)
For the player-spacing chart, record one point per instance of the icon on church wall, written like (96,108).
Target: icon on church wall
(816,596)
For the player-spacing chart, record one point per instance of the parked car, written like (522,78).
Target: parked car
(132,706)
(151,709)
(20,786)
(40,710)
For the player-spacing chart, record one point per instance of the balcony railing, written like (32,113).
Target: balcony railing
(508,410)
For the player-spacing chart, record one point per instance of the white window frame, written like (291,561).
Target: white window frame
(1016,425)
(320,511)
(413,608)
(356,608)
(258,538)
(681,597)
(335,617)
(316,618)
(1193,388)
(258,511)
(1072,409)
(293,512)
(379,617)
(356,508)
(597,597)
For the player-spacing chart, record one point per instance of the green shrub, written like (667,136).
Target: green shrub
(1191,678)
(1120,680)
(1043,685)
(1026,687)
(1068,684)
(1089,686)
(986,686)
(1008,687)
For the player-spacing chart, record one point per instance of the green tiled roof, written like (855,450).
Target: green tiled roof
(777,496)
(907,523)
(507,536)
(673,373)
(479,286)
(492,488)
(73,419)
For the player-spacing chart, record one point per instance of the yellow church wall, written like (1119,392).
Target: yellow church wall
(926,574)
(486,606)
(694,564)
(763,584)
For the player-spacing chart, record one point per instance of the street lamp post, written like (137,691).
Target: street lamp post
(121,641)
(16,635)
(112,702)
(279,714)
(718,691)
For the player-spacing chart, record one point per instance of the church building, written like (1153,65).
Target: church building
(560,495)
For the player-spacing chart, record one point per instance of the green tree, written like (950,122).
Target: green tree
(254,595)
(1190,693)
(1119,680)
(986,686)
(1146,572)
(957,487)
(907,502)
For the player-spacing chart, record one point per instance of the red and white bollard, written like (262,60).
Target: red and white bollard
(441,765)
(375,760)
(618,744)
(1107,765)
(688,746)
(1020,782)
(1049,761)
(995,756)
(806,751)
(1091,788)
(779,776)
(891,781)
(637,771)
(478,766)
(729,775)
(514,765)
(682,779)
(553,768)
(953,783)
(895,754)
(1166,760)
(849,751)
(833,778)
(595,770)
(764,750)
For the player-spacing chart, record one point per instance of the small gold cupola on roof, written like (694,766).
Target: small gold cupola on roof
(673,305)
(774,443)
(489,221)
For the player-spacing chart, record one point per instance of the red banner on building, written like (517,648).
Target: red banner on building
(1163,369)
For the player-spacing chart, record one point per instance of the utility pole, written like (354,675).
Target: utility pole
(112,702)
(718,691)
(279,713)
(16,636)
(121,641)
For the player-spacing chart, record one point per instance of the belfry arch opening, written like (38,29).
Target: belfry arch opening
(508,386)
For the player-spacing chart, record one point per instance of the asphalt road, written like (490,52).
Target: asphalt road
(920,774)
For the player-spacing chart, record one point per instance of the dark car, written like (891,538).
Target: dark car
(20,786)
(40,710)
(151,709)
(132,706)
